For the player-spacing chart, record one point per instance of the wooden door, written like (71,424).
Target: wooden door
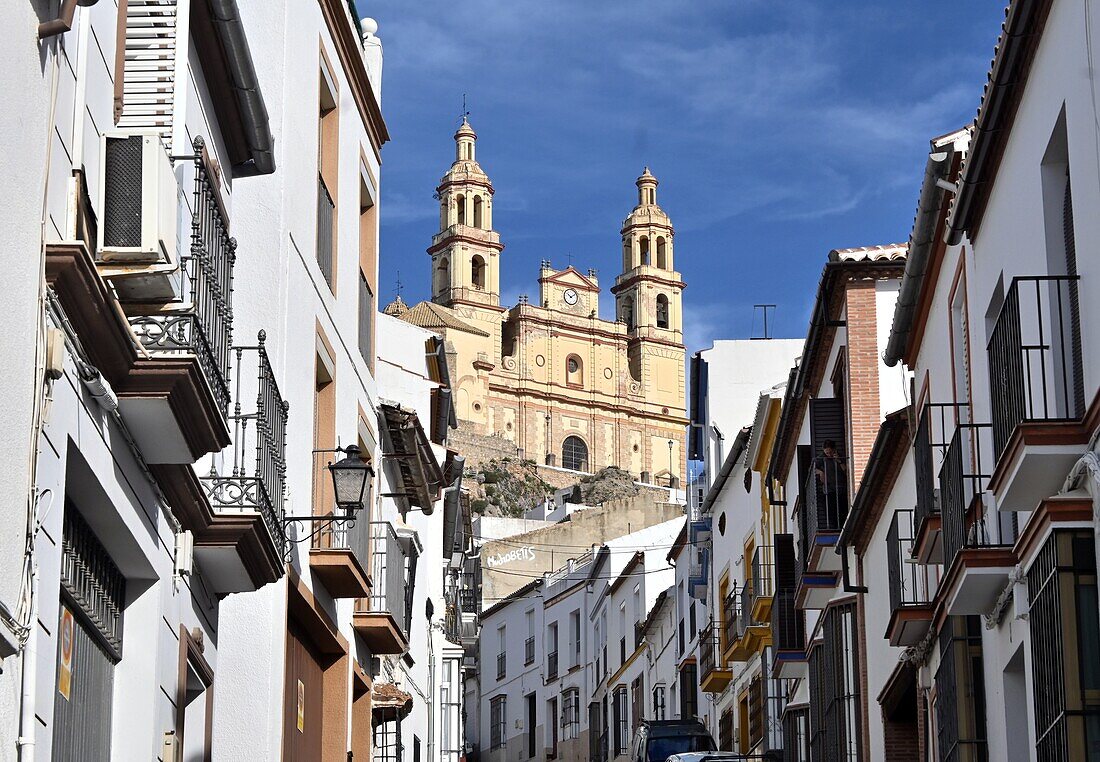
(302,699)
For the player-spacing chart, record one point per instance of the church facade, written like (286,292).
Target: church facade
(567,388)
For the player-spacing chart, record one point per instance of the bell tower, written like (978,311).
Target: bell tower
(466,251)
(648,292)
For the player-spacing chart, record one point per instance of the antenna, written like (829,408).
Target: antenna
(764,308)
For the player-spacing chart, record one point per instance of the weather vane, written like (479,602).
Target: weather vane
(399,285)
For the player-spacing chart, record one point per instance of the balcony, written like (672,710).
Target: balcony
(788,636)
(383,622)
(929,446)
(910,602)
(175,398)
(338,556)
(977,538)
(826,508)
(754,634)
(552,666)
(763,583)
(502,665)
(1037,392)
(714,671)
(529,651)
(730,632)
(235,510)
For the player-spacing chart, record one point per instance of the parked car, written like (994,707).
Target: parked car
(711,756)
(657,740)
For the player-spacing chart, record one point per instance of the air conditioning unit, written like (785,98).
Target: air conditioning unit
(137,200)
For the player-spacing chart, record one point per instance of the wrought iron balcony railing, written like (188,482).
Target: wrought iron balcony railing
(345,534)
(763,573)
(529,651)
(502,665)
(908,580)
(1035,355)
(788,622)
(552,665)
(200,322)
(710,651)
(392,566)
(729,618)
(929,446)
(826,492)
(468,601)
(254,478)
(963,478)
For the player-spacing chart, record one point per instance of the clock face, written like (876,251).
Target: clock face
(570,296)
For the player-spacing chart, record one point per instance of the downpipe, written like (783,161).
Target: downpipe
(25,742)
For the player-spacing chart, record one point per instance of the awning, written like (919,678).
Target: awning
(410,447)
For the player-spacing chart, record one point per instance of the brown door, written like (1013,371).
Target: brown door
(302,699)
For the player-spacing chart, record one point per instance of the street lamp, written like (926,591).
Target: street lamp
(349,479)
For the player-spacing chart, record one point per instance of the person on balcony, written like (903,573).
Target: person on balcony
(832,485)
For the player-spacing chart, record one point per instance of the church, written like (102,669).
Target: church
(569,389)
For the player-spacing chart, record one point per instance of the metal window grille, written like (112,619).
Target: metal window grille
(1064,666)
(552,665)
(326,214)
(689,691)
(529,651)
(571,714)
(756,711)
(502,665)
(92,580)
(574,454)
(621,723)
(366,318)
(796,736)
(929,447)
(387,746)
(392,572)
(659,702)
(960,692)
(497,721)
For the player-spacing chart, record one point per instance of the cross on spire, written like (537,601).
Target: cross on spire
(465,111)
(398,285)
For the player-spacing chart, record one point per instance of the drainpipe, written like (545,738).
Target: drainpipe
(431,694)
(25,743)
(848,586)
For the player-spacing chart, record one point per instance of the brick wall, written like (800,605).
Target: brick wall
(864,414)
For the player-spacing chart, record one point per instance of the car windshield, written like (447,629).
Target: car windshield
(660,749)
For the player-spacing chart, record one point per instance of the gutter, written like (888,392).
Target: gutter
(921,241)
(246,88)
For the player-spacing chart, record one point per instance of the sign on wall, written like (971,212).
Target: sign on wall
(526,553)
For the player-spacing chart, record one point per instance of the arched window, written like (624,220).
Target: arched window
(477,211)
(627,264)
(460,202)
(574,370)
(662,311)
(662,253)
(442,276)
(643,250)
(574,454)
(626,313)
(477,271)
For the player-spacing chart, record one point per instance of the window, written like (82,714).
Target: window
(324,428)
(839,672)
(552,651)
(574,371)
(570,714)
(477,211)
(574,454)
(502,653)
(659,702)
(796,735)
(662,311)
(497,720)
(637,701)
(552,726)
(1065,665)
(460,208)
(529,644)
(366,319)
(622,732)
(643,249)
(725,731)
(575,626)
(442,277)
(662,253)
(327,166)
(477,272)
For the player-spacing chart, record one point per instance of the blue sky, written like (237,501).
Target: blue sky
(779,129)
